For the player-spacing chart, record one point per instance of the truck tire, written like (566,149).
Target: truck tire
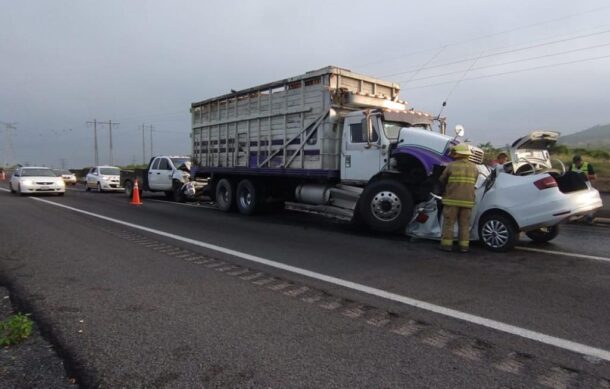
(225,199)
(248,197)
(128,185)
(386,205)
(497,232)
(543,234)
(177,195)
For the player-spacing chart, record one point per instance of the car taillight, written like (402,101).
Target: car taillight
(545,183)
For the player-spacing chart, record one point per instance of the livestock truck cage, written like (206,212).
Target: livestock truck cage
(289,127)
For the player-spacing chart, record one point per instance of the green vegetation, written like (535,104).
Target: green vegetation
(15,329)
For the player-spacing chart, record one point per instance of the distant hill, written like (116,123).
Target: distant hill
(597,137)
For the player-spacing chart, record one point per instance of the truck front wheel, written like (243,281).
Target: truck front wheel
(386,205)
(225,201)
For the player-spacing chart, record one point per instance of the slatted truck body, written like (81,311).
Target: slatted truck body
(319,141)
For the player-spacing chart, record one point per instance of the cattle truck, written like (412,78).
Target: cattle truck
(330,140)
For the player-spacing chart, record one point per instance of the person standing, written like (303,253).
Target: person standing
(587,171)
(500,159)
(584,168)
(458,178)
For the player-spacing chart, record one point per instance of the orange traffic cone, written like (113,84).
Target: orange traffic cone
(135,199)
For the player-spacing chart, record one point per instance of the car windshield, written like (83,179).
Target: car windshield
(37,173)
(110,171)
(179,161)
(60,171)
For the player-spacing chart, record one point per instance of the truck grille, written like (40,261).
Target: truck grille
(477,155)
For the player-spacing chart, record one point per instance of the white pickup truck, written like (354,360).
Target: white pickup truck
(168,174)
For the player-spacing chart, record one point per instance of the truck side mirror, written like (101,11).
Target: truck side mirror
(459,130)
(366,130)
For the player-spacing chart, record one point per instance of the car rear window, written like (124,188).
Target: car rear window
(108,171)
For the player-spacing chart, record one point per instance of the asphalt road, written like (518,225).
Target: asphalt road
(139,306)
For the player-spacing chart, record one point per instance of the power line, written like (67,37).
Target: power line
(498,53)
(514,71)
(510,62)
(490,35)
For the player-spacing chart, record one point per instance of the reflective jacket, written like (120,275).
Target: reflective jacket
(585,169)
(459,178)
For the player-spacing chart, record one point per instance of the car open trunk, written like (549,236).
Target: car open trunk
(570,181)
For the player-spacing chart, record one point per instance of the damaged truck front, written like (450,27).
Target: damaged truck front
(330,141)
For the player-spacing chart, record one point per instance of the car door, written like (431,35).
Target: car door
(153,174)
(92,177)
(162,175)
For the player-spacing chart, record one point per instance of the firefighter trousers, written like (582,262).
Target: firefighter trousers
(451,214)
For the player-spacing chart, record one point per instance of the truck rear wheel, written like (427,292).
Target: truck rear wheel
(386,205)
(225,200)
(248,197)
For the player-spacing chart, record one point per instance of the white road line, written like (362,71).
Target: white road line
(489,323)
(576,255)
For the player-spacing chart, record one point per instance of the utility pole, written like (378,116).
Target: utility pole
(8,149)
(143,147)
(151,141)
(110,130)
(97,159)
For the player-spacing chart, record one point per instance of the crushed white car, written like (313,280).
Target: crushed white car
(526,195)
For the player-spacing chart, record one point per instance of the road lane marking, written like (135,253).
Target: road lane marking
(464,316)
(585,256)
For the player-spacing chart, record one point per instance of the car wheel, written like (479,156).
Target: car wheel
(543,234)
(87,189)
(19,190)
(497,232)
(99,187)
(10,186)
(248,197)
(176,193)
(386,205)
(225,201)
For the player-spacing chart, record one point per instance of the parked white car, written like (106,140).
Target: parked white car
(534,201)
(35,180)
(104,179)
(68,177)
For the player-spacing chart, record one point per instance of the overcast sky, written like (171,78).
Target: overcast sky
(524,64)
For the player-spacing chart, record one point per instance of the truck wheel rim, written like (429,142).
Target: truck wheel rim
(386,206)
(495,234)
(245,198)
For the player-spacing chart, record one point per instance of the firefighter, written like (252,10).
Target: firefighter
(458,179)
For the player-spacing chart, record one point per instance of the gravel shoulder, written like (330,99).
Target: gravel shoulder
(31,364)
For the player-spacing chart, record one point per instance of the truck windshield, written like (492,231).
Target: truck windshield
(392,129)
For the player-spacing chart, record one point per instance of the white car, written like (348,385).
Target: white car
(68,177)
(534,200)
(34,180)
(104,178)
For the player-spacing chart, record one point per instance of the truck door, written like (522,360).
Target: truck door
(161,175)
(361,156)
